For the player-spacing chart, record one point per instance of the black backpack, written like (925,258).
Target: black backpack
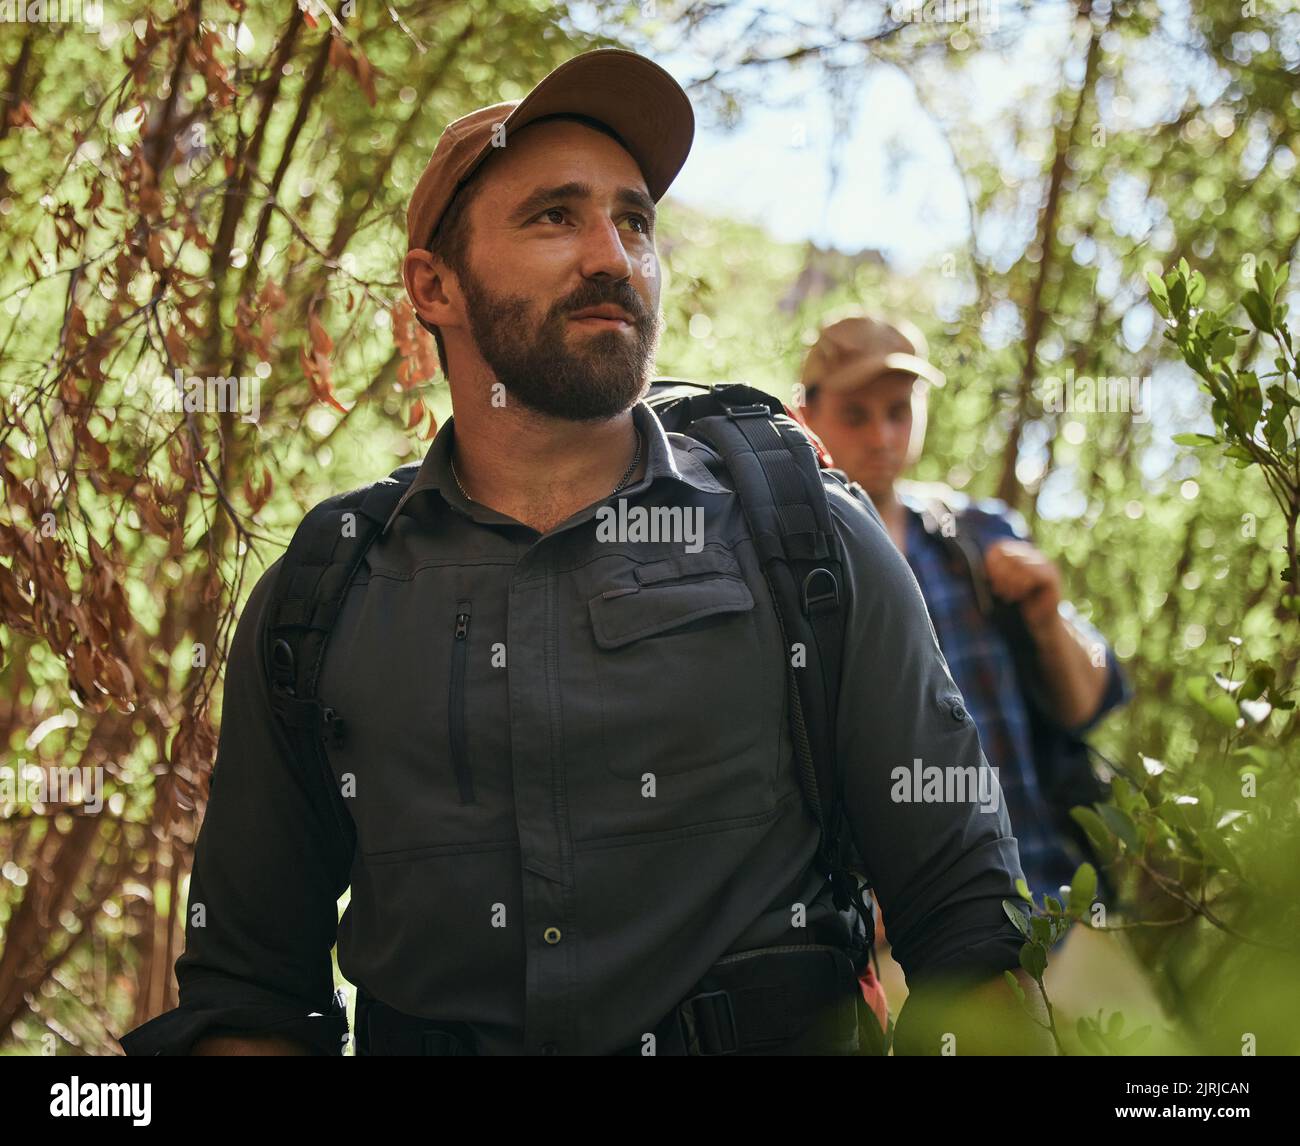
(778,477)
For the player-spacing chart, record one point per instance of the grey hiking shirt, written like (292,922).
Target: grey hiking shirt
(570,770)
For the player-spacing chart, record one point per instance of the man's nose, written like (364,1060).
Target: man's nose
(603,252)
(873,433)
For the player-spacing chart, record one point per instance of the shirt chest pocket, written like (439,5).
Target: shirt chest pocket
(682,671)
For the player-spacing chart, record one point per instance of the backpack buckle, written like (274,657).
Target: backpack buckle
(282,665)
(825,597)
(712,1029)
(757,410)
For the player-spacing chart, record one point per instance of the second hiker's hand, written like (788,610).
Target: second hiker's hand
(1021,573)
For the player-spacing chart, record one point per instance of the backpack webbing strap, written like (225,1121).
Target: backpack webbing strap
(781,490)
(323,558)
(965,549)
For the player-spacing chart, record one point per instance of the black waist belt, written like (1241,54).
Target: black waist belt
(381,1030)
(797,1000)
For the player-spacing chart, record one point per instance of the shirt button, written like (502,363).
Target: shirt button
(551,935)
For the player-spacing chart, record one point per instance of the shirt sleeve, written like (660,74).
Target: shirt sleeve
(269,867)
(941,867)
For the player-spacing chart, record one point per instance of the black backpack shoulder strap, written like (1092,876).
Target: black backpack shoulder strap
(957,528)
(780,483)
(943,519)
(323,558)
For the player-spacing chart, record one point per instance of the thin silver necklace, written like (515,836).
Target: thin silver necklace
(627,473)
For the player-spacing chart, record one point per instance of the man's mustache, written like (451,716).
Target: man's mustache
(625,298)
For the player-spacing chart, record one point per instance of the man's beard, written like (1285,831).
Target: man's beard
(601,378)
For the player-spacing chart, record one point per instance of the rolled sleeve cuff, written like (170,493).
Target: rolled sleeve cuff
(230,1006)
(974,948)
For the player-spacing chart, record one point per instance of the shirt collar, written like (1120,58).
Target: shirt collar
(665,458)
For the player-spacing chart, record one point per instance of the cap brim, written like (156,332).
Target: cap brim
(862,372)
(632,95)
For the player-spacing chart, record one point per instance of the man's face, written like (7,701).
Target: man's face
(869,430)
(563,222)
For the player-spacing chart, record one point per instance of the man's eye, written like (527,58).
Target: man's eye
(645,223)
(551,211)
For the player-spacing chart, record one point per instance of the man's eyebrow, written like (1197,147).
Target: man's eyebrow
(635,197)
(544,196)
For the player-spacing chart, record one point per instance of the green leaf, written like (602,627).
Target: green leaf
(1126,797)
(1089,1036)
(1119,823)
(1130,1044)
(1042,930)
(1158,290)
(1223,345)
(1260,312)
(1250,399)
(1083,889)
(1014,984)
(1178,296)
(1261,757)
(1033,959)
(1017,916)
(1276,430)
(1023,889)
(1219,705)
(1198,440)
(1264,279)
(1101,839)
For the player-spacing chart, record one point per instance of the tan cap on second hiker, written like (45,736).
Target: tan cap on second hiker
(859,349)
(631,95)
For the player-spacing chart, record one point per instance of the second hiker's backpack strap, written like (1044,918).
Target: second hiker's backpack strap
(956,526)
(323,558)
(781,489)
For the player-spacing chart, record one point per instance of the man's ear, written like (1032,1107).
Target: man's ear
(426,277)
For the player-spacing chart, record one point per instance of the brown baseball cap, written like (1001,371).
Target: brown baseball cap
(859,349)
(631,95)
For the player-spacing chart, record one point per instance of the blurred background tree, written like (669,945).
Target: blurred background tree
(218,189)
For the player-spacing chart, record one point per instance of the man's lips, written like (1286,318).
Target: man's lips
(602,317)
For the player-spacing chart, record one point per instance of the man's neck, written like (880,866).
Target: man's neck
(894,514)
(537,469)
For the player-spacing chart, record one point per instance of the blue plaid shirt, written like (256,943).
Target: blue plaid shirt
(982,665)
